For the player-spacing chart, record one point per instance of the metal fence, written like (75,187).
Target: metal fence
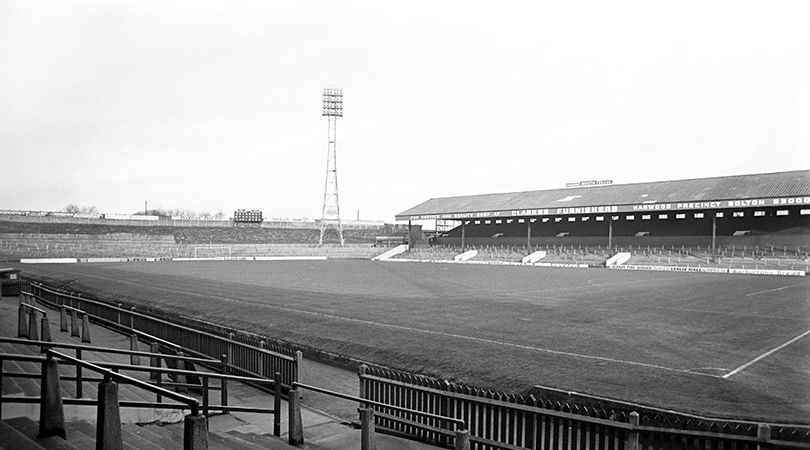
(506,421)
(239,357)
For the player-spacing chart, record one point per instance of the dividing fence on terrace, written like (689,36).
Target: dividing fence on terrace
(506,421)
(237,357)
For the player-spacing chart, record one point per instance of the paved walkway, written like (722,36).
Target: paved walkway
(326,419)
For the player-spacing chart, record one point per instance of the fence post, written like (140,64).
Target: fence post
(63,324)
(86,328)
(296,429)
(33,329)
(195,432)
(277,404)
(132,318)
(22,328)
(632,435)
(368,439)
(118,315)
(462,440)
(108,416)
(135,360)
(45,335)
(51,414)
(764,435)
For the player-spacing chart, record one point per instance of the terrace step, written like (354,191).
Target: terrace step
(20,433)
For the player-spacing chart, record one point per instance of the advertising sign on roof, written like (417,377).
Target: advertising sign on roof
(606,209)
(588,183)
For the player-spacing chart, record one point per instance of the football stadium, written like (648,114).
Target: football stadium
(671,314)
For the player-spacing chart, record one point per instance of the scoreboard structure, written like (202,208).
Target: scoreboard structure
(245,216)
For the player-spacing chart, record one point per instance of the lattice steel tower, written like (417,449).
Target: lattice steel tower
(332,109)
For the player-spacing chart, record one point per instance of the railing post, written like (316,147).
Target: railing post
(462,440)
(33,332)
(296,428)
(118,315)
(277,404)
(135,360)
(229,346)
(224,384)
(45,335)
(296,375)
(79,387)
(368,438)
(86,328)
(195,432)
(154,361)
(361,372)
(51,414)
(260,365)
(1,384)
(22,329)
(74,323)
(132,318)
(205,396)
(632,435)
(764,435)
(180,378)
(63,324)
(108,417)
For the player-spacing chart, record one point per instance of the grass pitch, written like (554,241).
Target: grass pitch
(682,341)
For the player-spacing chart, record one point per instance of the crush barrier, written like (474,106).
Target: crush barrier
(237,357)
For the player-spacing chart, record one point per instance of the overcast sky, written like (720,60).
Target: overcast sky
(212,106)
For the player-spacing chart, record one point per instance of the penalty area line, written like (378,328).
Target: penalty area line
(765,355)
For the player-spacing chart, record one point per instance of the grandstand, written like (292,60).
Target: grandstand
(721,220)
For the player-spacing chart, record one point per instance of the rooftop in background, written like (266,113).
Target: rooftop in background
(758,190)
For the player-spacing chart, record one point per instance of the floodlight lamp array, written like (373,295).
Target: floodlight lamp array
(333,102)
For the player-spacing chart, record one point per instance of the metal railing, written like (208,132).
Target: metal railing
(159,387)
(241,358)
(367,418)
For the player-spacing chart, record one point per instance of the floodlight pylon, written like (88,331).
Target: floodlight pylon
(330,216)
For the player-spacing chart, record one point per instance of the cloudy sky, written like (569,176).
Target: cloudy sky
(211,106)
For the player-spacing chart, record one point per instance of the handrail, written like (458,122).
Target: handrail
(454,420)
(156,319)
(192,403)
(136,368)
(92,348)
(34,308)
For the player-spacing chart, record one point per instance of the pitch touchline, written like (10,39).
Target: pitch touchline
(766,354)
(770,290)
(438,333)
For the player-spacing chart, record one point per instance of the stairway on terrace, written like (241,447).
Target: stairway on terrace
(151,429)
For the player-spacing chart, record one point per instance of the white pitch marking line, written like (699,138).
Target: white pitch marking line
(766,354)
(770,290)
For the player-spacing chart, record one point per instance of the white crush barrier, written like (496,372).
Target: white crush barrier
(466,256)
(534,257)
(618,259)
(391,253)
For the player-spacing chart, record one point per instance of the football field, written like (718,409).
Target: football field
(717,345)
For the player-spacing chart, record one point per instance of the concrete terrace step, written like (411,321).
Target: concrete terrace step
(28,431)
